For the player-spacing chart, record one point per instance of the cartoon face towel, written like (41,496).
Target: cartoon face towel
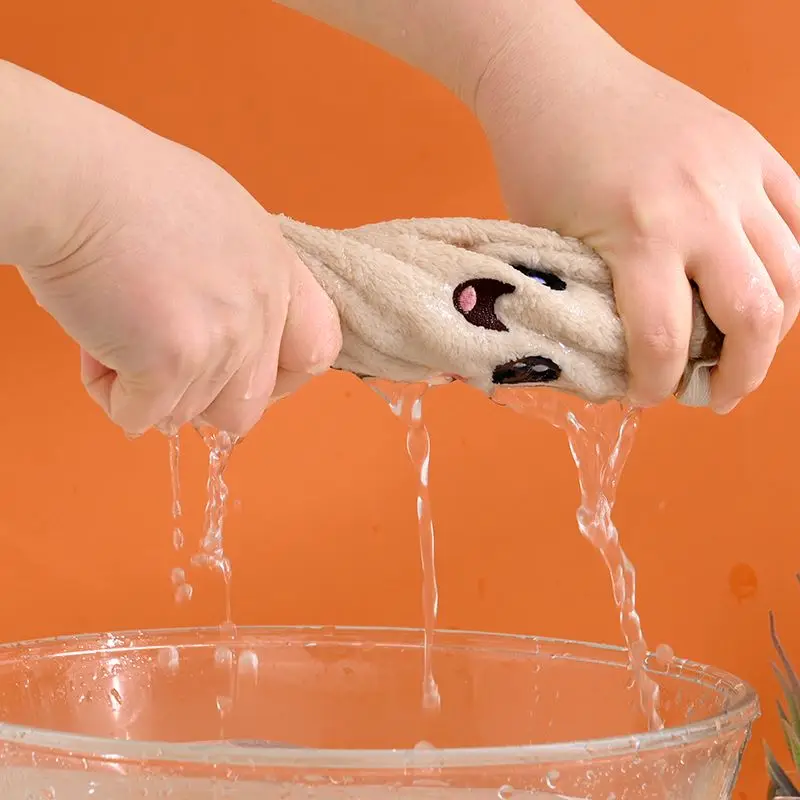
(486,302)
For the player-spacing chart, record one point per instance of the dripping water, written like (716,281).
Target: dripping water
(175,480)
(212,546)
(212,554)
(183,589)
(405,401)
(600,439)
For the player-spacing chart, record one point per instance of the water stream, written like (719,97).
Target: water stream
(405,401)
(600,439)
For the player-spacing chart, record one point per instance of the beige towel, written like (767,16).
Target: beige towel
(487,302)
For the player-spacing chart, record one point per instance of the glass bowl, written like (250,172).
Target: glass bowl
(323,712)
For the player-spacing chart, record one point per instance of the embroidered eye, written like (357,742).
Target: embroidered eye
(531,369)
(548,279)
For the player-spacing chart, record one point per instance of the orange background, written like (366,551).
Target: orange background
(322,529)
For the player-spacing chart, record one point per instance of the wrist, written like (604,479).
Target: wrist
(45,167)
(550,58)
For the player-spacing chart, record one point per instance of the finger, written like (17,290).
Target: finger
(134,406)
(312,335)
(97,379)
(241,402)
(201,392)
(287,383)
(92,370)
(654,301)
(740,298)
(779,251)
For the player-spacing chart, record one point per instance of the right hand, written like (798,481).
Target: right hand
(185,299)
(666,186)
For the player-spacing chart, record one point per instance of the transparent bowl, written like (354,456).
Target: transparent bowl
(338,713)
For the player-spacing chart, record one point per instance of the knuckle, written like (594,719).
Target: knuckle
(664,342)
(761,313)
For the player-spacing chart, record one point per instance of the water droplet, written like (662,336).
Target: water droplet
(248,663)
(423,745)
(665,654)
(228,630)
(224,703)
(183,593)
(505,792)
(551,778)
(178,576)
(169,658)
(223,656)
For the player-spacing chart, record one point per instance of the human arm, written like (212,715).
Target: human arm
(590,141)
(187,302)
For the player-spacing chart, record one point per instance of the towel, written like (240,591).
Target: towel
(487,302)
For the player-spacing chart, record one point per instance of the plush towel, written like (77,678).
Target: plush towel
(487,302)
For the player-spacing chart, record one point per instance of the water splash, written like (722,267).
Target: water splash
(212,546)
(175,482)
(405,401)
(212,554)
(182,589)
(600,439)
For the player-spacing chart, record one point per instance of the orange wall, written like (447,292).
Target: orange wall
(324,128)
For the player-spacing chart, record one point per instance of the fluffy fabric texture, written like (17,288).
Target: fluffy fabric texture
(488,302)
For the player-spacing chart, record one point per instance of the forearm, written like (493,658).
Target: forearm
(43,170)
(457,42)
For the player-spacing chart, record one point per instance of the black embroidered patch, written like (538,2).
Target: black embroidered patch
(530,369)
(475,300)
(550,280)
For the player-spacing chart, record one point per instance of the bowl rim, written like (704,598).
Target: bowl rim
(742,710)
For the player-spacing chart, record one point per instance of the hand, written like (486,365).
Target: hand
(187,302)
(665,185)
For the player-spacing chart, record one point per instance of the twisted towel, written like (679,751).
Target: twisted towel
(487,302)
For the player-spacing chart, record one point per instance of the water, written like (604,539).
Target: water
(405,401)
(211,555)
(175,480)
(600,439)
(212,546)
(183,589)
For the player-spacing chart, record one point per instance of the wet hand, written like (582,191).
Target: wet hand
(187,302)
(666,186)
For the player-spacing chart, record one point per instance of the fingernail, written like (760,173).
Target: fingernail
(726,408)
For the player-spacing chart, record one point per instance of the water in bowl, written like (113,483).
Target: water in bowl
(335,713)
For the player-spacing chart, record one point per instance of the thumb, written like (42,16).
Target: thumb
(312,336)
(135,408)
(97,379)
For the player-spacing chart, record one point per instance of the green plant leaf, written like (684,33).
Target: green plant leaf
(793,702)
(780,783)
(792,740)
(791,675)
